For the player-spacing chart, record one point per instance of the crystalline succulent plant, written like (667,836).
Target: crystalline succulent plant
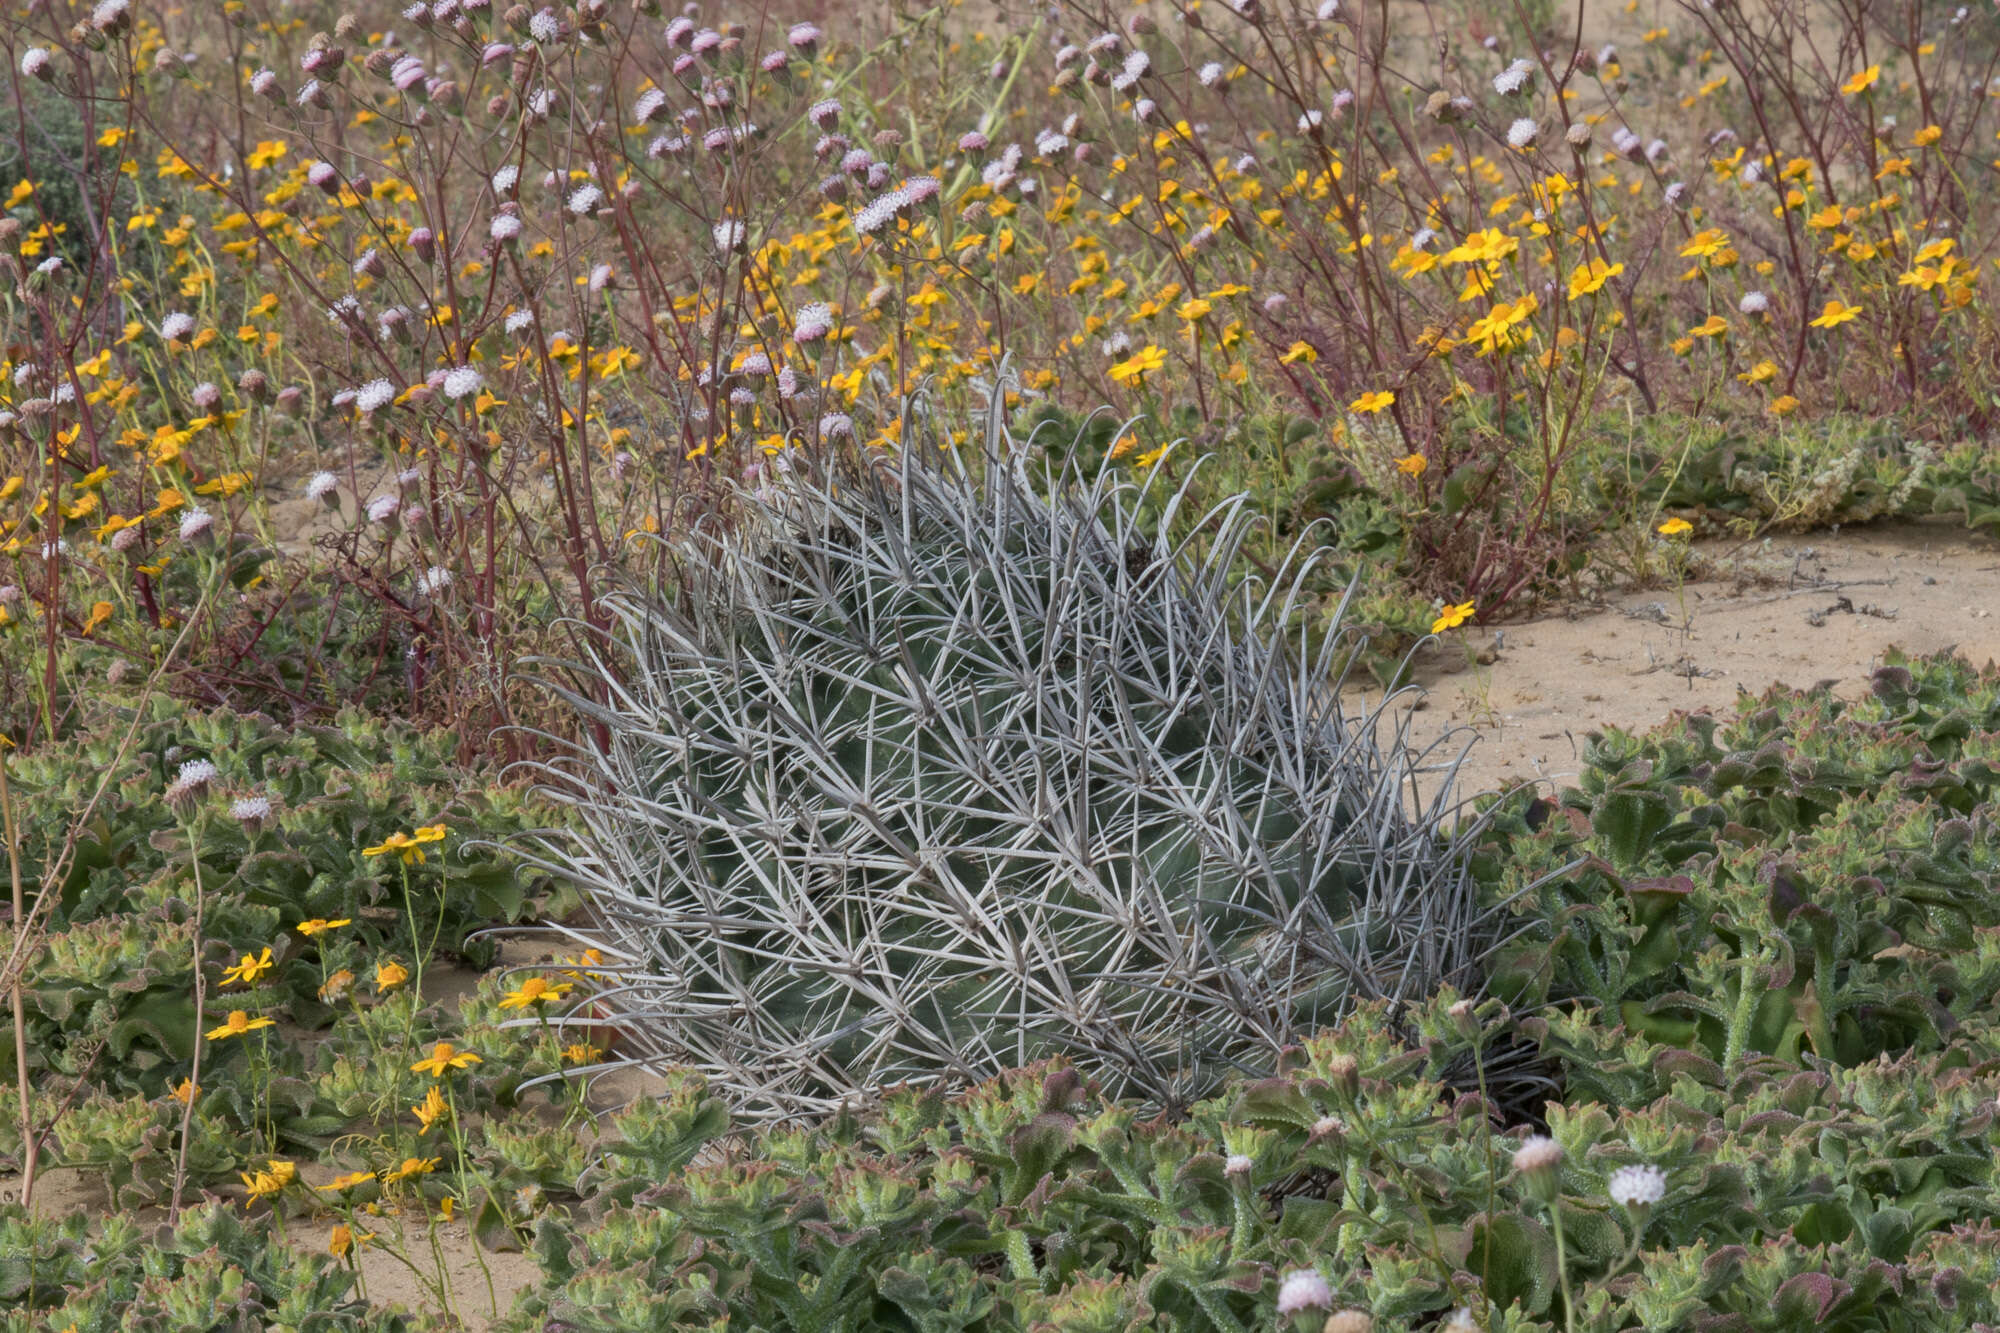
(918,775)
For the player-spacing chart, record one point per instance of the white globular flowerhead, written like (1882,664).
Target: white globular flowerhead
(462,382)
(585,199)
(1238,1166)
(1304,1289)
(324,488)
(1461,1321)
(545,27)
(433,581)
(374,395)
(1518,77)
(1521,135)
(382,509)
(1210,74)
(191,784)
(250,811)
(651,106)
(836,425)
(35,63)
(1538,1156)
(877,214)
(1137,66)
(176,326)
(729,234)
(1754,303)
(505,227)
(813,323)
(506,179)
(1637,1186)
(197,525)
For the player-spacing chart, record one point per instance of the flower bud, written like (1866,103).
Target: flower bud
(251,812)
(184,793)
(1536,1162)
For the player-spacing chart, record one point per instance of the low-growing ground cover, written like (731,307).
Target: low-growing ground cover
(362,364)
(1753,1002)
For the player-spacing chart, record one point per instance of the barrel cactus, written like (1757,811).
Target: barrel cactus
(921,771)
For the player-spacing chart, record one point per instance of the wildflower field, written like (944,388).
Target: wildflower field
(691,668)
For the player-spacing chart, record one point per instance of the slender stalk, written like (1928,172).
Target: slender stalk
(200,1025)
(28,1139)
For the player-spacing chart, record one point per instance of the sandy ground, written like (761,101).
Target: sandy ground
(1793,611)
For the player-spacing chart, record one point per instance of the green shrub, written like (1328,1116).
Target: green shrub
(1794,1200)
(212,1272)
(117,969)
(1810,878)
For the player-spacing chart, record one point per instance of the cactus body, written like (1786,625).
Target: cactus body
(921,775)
